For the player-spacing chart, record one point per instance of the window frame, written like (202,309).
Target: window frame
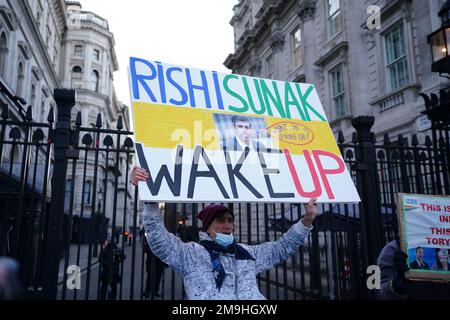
(269,72)
(87,201)
(67,193)
(337,95)
(300,47)
(20,81)
(338,13)
(75,52)
(396,61)
(73,79)
(3,54)
(97,55)
(97,81)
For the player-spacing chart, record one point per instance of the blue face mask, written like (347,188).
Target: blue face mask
(224,239)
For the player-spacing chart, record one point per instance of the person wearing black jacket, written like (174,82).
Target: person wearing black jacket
(155,269)
(110,260)
(394,285)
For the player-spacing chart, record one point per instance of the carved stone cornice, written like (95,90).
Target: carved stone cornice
(10,18)
(306,10)
(255,65)
(25,49)
(277,41)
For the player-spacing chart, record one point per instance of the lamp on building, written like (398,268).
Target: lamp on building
(439,41)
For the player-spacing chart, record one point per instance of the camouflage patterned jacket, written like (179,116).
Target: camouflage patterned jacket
(192,261)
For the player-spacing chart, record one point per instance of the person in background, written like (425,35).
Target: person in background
(154,268)
(11,287)
(394,285)
(111,257)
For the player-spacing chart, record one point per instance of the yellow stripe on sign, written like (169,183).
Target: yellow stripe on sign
(165,126)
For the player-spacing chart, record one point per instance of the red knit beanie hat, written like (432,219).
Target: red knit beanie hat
(210,212)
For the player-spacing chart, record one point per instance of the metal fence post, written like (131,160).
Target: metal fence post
(65,99)
(370,209)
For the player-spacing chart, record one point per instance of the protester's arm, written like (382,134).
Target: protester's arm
(162,243)
(169,248)
(269,254)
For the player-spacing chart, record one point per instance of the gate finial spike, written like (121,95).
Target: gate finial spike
(5,110)
(119,123)
(78,120)
(51,116)
(341,138)
(401,141)
(415,141)
(29,115)
(99,121)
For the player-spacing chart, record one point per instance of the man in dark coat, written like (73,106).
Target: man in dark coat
(110,260)
(154,268)
(394,285)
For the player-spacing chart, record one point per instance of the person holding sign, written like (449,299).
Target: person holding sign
(394,284)
(217,267)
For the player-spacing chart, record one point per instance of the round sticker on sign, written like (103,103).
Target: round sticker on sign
(292,133)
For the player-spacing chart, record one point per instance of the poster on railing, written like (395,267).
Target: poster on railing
(206,136)
(425,235)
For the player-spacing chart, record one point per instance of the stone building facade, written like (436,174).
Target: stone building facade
(49,44)
(357,68)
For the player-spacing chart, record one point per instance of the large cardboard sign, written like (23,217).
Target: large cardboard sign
(206,136)
(425,235)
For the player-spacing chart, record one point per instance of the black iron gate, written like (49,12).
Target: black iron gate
(64,190)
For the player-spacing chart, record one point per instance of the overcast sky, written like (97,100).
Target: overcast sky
(194,33)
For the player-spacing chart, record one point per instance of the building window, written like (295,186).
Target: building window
(39,18)
(334,17)
(78,51)
(338,93)
(33,96)
(42,118)
(55,56)
(87,192)
(20,79)
(77,77)
(3,53)
(47,40)
(396,60)
(297,47)
(94,81)
(269,66)
(97,55)
(67,194)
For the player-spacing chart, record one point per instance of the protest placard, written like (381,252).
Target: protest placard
(206,136)
(424,222)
